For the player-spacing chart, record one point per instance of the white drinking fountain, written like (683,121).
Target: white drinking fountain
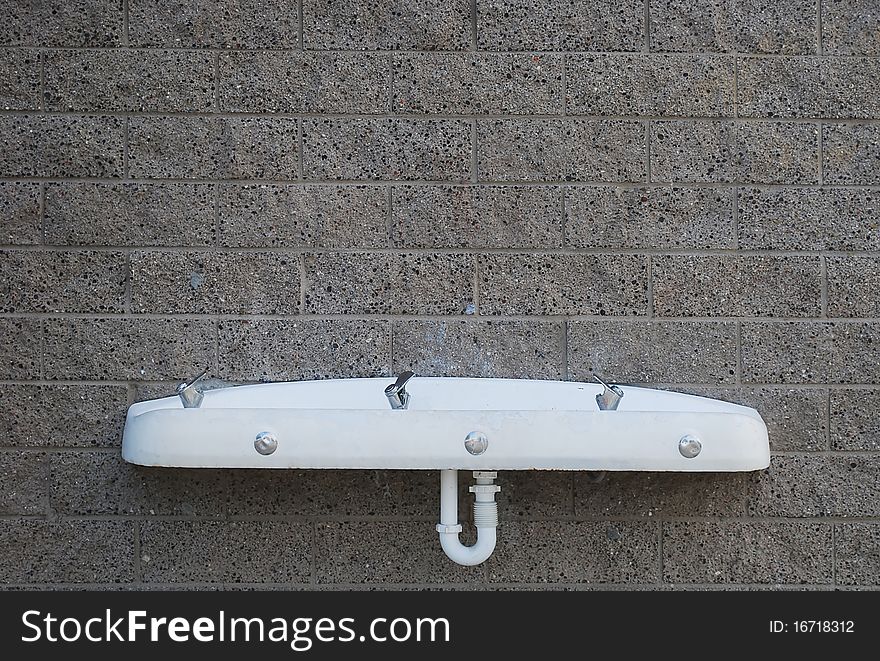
(446,424)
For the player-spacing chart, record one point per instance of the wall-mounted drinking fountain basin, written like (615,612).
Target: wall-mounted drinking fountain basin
(446,424)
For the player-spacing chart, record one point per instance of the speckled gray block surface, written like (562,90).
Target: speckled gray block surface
(681,194)
(291,350)
(786,27)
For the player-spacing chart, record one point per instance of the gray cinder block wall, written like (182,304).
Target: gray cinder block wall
(683,193)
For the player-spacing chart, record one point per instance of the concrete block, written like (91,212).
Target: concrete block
(20,222)
(226,551)
(747,286)
(213,147)
(561,150)
(384,25)
(382,283)
(213,24)
(575,552)
(23,483)
(853,286)
(854,421)
(282,350)
(351,493)
(135,214)
(61,146)
(851,153)
(532,494)
(704,151)
(476,217)
(62,416)
(37,551)
(750,26)
(68,23)
(492,349)
(385,552)
(215,282)
(856,353)
(836,87)
(127,349)
(615,285)
(20,346)
(566,26)
(61,281)
(139,81)
(638,494)
(260,215)
(789,352)
(817,485)
(683,85)
(851,27)
(484,83)
(386,149)
(649,218)
(857,553)
(297,82)
(808,219)
(735,552)
(652,351)
(98,483)
(19,79)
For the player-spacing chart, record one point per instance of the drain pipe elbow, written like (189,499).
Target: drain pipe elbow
(485,517)
(468,555)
